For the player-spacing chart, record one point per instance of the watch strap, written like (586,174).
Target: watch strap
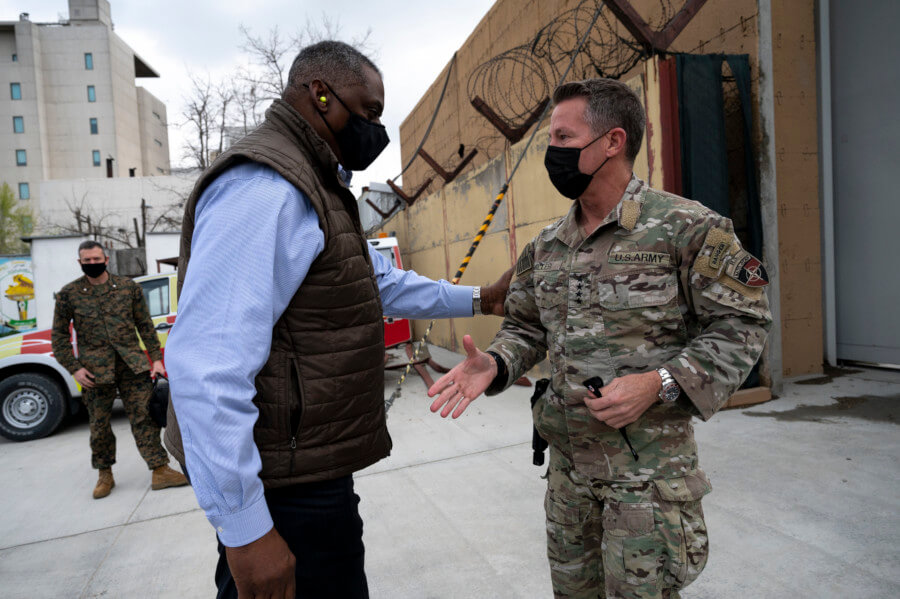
(502,377)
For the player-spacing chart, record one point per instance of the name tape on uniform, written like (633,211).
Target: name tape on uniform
(660,258)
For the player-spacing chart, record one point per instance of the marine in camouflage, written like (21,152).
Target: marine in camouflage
(105,318)
(134,389)
(662,282)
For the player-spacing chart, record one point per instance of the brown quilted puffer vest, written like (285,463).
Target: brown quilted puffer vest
(321,393)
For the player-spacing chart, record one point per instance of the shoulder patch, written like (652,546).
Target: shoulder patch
(723,259)
(525,262)
(748,269)
(719,245)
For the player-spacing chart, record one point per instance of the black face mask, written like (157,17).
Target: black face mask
(562,166)
(360,141)
(94,270)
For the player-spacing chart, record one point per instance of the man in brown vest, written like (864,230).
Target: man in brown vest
(276,360)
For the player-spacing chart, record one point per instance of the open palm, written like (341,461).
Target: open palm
(465,381)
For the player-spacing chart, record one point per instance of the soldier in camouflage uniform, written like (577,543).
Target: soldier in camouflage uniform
(104,310)
(654,294)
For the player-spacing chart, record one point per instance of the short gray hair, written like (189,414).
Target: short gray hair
(89,245)
(333,62)
(610,104)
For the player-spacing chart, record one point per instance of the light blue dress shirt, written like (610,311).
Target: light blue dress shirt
(254,240)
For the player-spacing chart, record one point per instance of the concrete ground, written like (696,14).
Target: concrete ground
(805,504)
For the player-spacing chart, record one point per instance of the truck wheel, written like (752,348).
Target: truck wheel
(31,406)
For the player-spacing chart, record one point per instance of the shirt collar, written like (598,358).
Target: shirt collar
(625,213)
(345,175)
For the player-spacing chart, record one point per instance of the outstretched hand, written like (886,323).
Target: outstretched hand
(465,381)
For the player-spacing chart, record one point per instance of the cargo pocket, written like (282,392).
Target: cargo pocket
(640,304)
(565,529)
(637,289)
(631,550)
(683,528)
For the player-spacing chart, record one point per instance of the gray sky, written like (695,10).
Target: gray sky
(411,43)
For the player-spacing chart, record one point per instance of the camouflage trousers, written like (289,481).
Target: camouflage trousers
(623,540)
(135,392)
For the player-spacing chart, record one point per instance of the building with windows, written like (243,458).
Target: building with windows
(69,106)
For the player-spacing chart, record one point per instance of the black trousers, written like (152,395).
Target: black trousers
(321,524)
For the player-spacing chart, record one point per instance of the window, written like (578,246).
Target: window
(156,114)
(15,58)
(88,61)
(156,292)
(15,91)
(159,143)
(21,158)
(24,192)
(18,124)
(92,94)
(93,126)
(96,155)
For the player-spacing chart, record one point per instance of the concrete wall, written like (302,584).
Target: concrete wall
(154,136)
(20,38)
(68,110)
(125,102)
(55,263)
(112,203)
(159,246)
(720,27)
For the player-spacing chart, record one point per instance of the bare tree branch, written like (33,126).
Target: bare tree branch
(236,105)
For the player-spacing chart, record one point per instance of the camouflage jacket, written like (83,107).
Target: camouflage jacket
(662,281)
(104,318)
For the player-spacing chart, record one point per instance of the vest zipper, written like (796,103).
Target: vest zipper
(296,409)
(293,452)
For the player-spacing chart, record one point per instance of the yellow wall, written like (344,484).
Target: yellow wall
(797,178)
(436,231)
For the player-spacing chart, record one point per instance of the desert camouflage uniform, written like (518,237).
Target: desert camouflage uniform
(104,318)
(661,282)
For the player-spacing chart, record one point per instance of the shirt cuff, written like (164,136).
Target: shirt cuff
(72,368)
(460,301)
(243,527)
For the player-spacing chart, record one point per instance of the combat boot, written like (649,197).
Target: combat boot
(164,477)
(104,484)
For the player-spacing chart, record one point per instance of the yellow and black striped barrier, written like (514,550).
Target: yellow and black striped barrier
(490,216)
(459,273)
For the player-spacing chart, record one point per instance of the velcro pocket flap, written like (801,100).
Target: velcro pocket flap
(690,487)
(637,289)
(627,519)
(562,513)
